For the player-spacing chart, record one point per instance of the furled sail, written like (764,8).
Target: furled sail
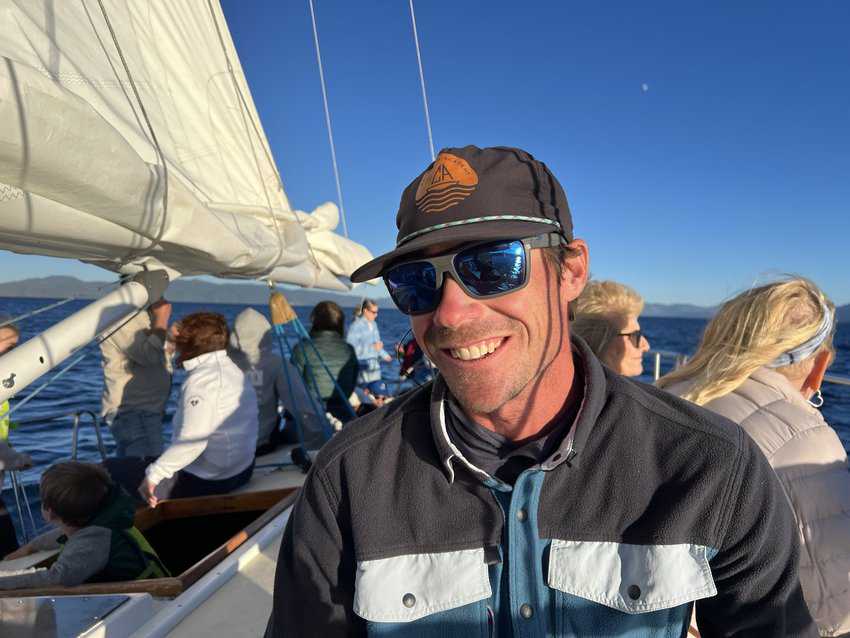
(128,136)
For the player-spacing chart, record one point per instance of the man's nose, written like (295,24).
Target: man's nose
(456,307)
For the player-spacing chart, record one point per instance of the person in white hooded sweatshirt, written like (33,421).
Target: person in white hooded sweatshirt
(252,348)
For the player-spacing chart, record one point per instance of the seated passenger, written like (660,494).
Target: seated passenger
(415,367)
(326,331)
(252,348)
(9,458)
(606,317)
(214,428)
(760,363)
(94,518)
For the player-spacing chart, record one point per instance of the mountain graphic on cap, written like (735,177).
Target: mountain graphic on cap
(450,181)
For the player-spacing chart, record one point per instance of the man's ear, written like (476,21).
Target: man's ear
(575,269)
(815,378)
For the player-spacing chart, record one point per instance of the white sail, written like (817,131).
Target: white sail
(128,136)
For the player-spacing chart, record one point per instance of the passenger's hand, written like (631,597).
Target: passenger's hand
(160,314)
(171,337)
(147,490)
(22,551)
(23,462)
(387,358)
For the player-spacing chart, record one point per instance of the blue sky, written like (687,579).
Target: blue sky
(729,169)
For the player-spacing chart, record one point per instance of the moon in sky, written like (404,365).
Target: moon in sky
(644,87)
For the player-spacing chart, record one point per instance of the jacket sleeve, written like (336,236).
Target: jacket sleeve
(85,554)
(383,353)
(139,344)
(11,459)
(755,568)
(314,582)
(194,422)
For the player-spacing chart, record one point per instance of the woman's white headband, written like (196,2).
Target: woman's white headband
(808,347)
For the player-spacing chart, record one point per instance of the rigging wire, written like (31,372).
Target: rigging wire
(37,311)
(422,82)
(328,118)
(98,339)
(56,304)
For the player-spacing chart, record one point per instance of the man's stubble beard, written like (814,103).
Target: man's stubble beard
(465,385)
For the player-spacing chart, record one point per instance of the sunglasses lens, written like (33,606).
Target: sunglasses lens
(413,287)
(635,337)
(492,269)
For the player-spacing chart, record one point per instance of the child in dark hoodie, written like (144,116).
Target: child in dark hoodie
(95,530)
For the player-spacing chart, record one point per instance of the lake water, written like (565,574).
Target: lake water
(48,439)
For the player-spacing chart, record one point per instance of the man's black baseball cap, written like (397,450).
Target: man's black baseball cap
(473,194)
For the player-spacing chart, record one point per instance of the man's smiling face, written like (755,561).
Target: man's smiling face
(492,352)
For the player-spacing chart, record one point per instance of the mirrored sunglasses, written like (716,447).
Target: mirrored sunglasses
(482,271)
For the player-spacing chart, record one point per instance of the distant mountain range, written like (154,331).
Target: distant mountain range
(688,311)
(187,290)
(197,291)
(678,310)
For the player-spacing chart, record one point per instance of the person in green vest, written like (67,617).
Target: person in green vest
(94,519)
(9,458)
(329,355)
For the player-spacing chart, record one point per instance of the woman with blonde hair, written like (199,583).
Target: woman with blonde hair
(761,363)
(606,317)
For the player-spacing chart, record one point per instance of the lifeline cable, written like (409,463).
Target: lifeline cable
(75,361)
(38,311)
(56,304)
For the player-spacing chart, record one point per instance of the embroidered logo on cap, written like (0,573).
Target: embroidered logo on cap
(450,181)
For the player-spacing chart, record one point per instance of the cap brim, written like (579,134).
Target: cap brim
(473,232)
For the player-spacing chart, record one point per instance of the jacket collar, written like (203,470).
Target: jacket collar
(569,451)
(781,384)
(207,357)
(325,334)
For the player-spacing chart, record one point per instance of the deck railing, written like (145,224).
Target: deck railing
(681,359)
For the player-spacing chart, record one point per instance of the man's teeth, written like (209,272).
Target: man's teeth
(477,351)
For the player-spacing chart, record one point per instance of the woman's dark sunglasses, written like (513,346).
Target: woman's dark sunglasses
(635,336)
(482,271)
